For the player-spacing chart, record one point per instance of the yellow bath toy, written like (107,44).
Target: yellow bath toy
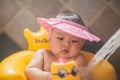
(65,70)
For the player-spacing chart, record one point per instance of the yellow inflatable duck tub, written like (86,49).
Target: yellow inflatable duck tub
(13,67)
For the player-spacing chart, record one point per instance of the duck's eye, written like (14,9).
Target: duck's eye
(62,73)
(74,71)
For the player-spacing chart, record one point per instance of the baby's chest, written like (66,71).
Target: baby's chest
(48,60)
(47,67)
(47,64)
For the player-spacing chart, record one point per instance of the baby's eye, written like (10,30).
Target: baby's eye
(75,41)
(60,38)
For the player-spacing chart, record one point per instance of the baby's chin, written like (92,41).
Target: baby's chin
(66,56)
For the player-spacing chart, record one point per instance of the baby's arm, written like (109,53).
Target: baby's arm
(34,68)
(82,63)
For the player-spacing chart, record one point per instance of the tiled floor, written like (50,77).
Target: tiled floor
(102,17)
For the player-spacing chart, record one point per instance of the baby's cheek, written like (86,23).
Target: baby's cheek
(76,49)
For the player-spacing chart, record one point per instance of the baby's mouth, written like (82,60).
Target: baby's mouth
(65,51)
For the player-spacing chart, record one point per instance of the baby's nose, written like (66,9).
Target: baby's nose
(67,44)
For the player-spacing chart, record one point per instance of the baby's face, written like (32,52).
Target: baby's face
(64,45)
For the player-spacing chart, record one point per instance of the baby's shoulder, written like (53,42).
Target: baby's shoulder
(81,59)
(44,53)
(80,56)
(41,51)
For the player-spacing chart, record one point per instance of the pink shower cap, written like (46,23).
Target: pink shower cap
(68,27)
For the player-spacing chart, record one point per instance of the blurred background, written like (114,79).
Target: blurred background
(102,17)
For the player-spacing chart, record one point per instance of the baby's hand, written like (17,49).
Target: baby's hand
(50,77)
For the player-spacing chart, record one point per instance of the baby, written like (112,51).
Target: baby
(67,35)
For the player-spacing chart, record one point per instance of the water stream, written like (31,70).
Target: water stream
(106,51)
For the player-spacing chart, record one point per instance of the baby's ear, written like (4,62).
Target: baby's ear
(36,40)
